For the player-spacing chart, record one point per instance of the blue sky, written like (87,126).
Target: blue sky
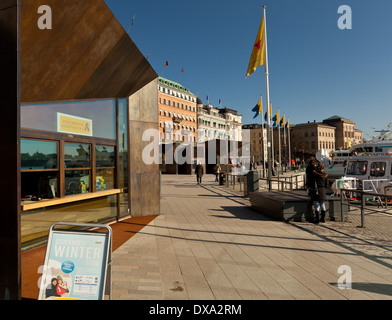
(316,69)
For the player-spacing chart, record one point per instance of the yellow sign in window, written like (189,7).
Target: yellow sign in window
(72,124)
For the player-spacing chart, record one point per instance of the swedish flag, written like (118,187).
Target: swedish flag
(281,123)
(257,109)
(275,119)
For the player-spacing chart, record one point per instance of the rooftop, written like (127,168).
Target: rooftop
(336,118)
(174,85)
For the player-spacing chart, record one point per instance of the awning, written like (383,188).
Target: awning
(87,54)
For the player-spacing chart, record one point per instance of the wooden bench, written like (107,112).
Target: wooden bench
(293,205)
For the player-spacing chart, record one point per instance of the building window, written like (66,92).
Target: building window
(39,169)
(77,168)
(105,167)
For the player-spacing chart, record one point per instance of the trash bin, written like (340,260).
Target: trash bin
(222,178)
(252,181)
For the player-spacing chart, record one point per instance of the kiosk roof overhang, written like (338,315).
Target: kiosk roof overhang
(87,54)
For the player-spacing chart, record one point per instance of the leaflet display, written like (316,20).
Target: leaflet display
(76,264)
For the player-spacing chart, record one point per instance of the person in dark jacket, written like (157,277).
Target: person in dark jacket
(311,183)
(51,289)
(320,178)
(199,172)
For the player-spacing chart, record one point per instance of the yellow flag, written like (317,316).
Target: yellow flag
(257,58)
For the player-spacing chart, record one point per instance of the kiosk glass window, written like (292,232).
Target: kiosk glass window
(98,115)
(39,169)
(38,155)
(77,168)
(105,167)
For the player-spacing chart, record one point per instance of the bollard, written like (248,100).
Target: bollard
(362,210)
(341,205)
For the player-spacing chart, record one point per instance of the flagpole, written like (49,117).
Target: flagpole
(262,132)
(272,142)
(268,103)
(279,146)
(181,71)
(288,134)
(284,142)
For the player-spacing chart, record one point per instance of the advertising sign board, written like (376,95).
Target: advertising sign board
(76,263)
(71,124)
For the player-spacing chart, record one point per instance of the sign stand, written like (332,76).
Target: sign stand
(78,263)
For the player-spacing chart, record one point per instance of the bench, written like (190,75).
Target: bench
(293,205)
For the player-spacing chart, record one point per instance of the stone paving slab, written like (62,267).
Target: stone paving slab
(207,244)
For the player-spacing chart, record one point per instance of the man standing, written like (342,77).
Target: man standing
(217,171)
(199,172)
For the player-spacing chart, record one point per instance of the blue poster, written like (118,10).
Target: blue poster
(75,266)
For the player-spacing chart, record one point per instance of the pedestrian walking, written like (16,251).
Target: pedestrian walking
(199,172)
(217,172)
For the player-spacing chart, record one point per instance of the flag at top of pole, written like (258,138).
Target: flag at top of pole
(258,108)
(257,57)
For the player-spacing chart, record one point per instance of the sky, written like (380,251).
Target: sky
(316,69)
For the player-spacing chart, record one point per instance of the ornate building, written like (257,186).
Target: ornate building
(218,123)
(177,112)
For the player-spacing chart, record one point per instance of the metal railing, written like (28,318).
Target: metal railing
(366,204)
(286,183)
(235,181)
(280,183)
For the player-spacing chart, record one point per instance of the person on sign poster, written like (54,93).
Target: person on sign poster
(62,288)
(51,289)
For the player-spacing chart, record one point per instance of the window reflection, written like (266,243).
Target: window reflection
(76,155)
(102,113)
(37,154)
(104,156)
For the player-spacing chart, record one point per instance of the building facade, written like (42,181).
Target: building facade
(220,124)
(257,134)
(346,133)
(333,133)
(177,125)
(177,112)
(307,138)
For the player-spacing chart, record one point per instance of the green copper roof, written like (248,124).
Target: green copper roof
(336,118)
(174,85)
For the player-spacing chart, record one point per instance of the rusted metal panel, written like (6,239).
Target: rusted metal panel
(87,54)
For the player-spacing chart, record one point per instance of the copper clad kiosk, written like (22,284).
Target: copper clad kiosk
(86,55)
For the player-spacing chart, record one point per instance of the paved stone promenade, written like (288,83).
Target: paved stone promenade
(207,244)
